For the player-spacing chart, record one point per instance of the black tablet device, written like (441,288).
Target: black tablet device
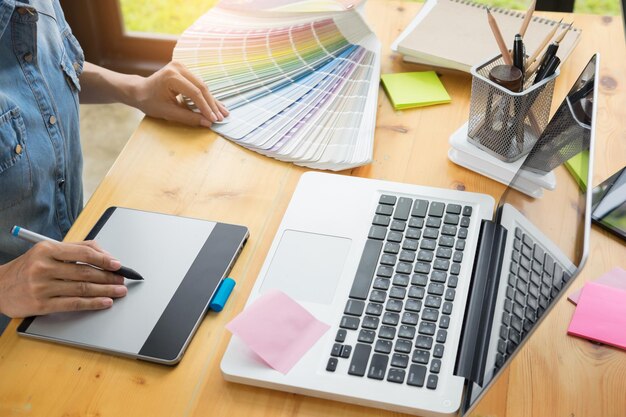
(609,204)
(182,261)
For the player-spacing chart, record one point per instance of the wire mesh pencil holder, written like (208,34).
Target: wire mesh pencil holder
(504,123)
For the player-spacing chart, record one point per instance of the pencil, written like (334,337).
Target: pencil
(533,67)
(506,56)
(542,45)
(527,17)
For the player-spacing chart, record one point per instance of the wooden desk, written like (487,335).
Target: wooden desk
(192,172)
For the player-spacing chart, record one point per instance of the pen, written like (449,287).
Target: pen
(518,53)
(548,69)
(543,44)
(506,56)
(33,237)
(527,17)
(550,52)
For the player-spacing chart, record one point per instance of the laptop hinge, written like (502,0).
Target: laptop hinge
(472,355)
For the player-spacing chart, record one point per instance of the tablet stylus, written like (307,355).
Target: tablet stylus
(33,237)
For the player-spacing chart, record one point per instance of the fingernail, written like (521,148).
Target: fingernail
(220,117)
(121,290)
(204,122)
(114,264)
(107,302)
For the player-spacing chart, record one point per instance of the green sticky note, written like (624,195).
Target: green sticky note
(578,167)
(414,89)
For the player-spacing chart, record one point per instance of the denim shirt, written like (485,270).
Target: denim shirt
(40,154)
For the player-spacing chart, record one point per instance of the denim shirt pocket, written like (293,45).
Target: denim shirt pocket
(72,60)
(16,181)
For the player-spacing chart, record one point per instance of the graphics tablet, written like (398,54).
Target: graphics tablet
(182,261)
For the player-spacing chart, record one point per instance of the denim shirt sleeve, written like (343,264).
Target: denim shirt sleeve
(40,154)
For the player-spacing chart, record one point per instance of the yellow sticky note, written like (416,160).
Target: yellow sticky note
(414,89)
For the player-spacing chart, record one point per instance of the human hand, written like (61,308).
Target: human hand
(47,279)
(157,96)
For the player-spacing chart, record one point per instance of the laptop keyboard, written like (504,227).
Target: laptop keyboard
(403,292)
(535,279)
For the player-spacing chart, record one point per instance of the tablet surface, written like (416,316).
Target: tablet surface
(182,260)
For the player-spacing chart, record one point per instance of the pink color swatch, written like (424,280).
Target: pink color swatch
(278,329)
(600,315)
(616,277)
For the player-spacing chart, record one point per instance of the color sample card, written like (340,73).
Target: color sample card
(278,329)
(600,315)
(616,278)
(414,89)
(300,87)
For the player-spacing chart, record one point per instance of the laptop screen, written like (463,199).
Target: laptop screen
(546,235)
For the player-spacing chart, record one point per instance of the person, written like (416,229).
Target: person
(42,75)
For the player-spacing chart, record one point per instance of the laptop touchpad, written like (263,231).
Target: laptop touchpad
(307,266)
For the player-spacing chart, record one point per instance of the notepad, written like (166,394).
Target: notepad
(616,278)
(455,34)
(278,329)
(600,315)
(414,89)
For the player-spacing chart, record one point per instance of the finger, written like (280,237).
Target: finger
(183,115)
(86,273)
(86,289)
(93,244)
(222,108)
(183,86)
(206,93)
(68,252)
(58,304)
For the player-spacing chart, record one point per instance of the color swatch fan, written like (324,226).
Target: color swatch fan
(300,87)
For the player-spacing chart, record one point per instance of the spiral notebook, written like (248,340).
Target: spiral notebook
(455,34)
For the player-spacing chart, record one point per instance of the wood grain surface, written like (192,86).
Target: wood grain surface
(192,172)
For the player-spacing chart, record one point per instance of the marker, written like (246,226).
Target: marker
(518,52)
(33,237)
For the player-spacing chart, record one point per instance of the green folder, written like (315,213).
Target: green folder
(414,89)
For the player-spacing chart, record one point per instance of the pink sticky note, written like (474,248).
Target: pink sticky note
(278,329)
(600,315)
(616,277)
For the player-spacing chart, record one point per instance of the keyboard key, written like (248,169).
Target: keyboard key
(397,293)
(331,366)
(413,305)
(383,346)
(457,257)
(403,346)
(404,268)
(361,355)
(431,233)
(424,342)
(378,366)
(417,375)
(435,366)
(436,209)
(391,247)
(350,323)
(406,332)
(407,256)
(465,221)
(409,318)
(391,318)
(425,256)
(378,233)
(336,350)
(462,233)
(444,322)
(394,306)
(417,222)
(367,336)
(384,210)
(446,241)
(428,244)
(427,328)
(400,360)
(421,268)
(448,230)
(401,280)
(387,199)
(467,210)
(441,336)
(410,244)
(430,314)
(370,322)
(416,292)
(433,222)
(403,208)
(450,293)
(436,289)
(387,259)
(419,279)
(453,209)
(413,233)
(432,301)
(438,276)
(398,225)
(380,220)
(394,237)
(432,381)
(374,309)
(365,270)
(447,308)
(441,264)
(354,308)
(381,284)
(453,281)
(419,208)
(420,356)
(345,351)
(396,375)
(341,336)
(378,296)
(452,219)
(445,253)
(438,351)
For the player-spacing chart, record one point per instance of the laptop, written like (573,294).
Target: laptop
(182,260)
(429,292)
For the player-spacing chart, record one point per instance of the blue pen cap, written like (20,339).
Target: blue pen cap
(221,294)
